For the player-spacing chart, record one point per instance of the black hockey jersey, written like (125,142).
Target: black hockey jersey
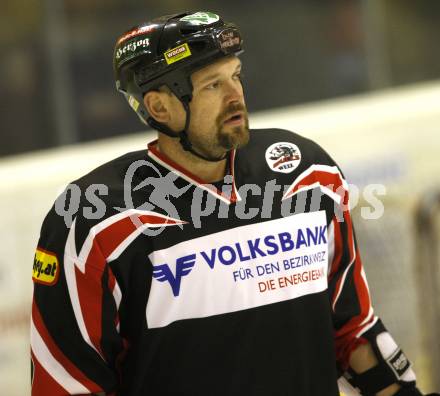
(148,281)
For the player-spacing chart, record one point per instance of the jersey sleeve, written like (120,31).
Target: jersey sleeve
(352,312)
(349,294)
(75,341)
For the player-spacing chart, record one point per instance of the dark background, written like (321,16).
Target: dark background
(56,78)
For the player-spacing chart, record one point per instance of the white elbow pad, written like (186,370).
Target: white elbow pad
(393,366)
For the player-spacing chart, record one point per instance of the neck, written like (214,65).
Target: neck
(206,170)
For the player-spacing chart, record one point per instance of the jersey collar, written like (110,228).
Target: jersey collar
(169,164)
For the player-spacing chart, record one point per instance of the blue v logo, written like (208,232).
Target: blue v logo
(163,273)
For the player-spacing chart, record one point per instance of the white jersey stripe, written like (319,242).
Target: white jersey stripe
(72,259)
(53,367)
(364,277)
(317,168)
(344,275)
(130,238)
(117,294)
(81,258)
(370,311)
(368,317)
(368,327)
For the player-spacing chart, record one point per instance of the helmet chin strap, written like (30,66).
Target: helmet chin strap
(183,135)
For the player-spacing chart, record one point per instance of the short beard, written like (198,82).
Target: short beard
(239,136)
(224,141)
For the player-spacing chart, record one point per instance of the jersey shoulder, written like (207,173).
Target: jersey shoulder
(266,143)
(90,199)
(112,172)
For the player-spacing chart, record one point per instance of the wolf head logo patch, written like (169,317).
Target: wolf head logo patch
(283,157)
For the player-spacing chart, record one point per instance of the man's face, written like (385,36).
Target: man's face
(219,119)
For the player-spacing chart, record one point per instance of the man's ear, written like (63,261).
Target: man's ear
(157,105)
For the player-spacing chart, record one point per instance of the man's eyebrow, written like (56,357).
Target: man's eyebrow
(214,75)
(211,76)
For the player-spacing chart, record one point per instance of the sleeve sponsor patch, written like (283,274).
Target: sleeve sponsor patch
(46,267)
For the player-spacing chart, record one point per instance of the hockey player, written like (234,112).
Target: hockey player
(219,261)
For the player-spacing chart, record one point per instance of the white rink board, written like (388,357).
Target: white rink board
(397,127)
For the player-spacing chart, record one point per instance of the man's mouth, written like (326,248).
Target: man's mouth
(235,119)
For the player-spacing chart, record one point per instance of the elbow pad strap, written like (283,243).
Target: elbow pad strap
(393,366)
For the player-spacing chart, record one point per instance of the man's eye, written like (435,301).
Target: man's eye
(213,85)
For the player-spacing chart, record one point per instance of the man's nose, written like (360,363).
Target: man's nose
(234,92)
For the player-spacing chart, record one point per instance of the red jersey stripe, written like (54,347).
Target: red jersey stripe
(58,355)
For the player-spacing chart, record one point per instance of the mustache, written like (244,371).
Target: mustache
(231,109)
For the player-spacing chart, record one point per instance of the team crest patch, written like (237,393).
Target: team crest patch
(283,157)
(46,267)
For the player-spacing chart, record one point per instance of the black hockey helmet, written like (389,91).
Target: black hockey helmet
(166,51)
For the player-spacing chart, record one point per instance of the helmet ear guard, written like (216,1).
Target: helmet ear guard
(179,82)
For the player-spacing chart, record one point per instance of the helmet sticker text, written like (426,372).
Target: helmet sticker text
(136,32)
(229,39)
(177,53)
(132,47)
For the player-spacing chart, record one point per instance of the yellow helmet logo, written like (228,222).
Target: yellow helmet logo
(177,53)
